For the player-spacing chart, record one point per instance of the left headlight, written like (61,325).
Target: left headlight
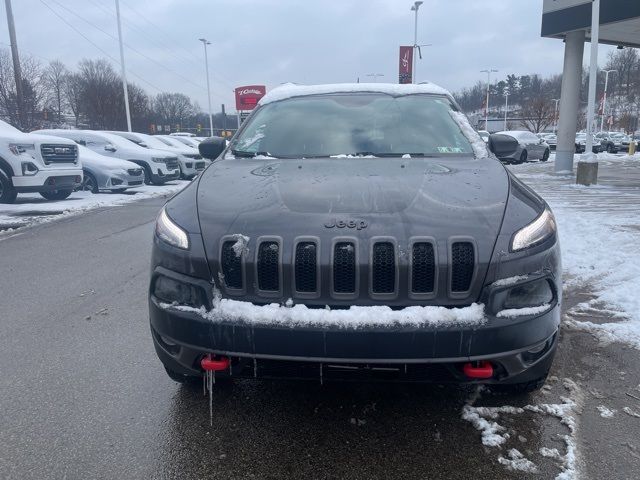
(170,233)
(536,232)
(20,148)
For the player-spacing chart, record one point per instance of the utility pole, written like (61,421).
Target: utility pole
(414,8)
(604,97)
(486,112)
(16,63)
(506,107)
(205,42)
(124,72)
(555,115)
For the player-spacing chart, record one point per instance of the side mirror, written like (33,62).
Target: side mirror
(502,145)
(211,148)
(109,148)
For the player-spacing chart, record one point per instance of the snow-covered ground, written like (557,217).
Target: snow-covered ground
(32,209)
(600,237)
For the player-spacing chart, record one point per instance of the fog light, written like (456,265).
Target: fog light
(116,181)
(170,291)
(29,168)
(188,165)
(532,294)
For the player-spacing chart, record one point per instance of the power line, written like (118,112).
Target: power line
(96,45)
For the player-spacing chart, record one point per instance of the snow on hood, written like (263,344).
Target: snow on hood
(290,90)
(10,133)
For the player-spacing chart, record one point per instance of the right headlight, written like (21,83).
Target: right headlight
(170,233)
(536,232)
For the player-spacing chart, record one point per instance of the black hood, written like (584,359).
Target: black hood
(398,197)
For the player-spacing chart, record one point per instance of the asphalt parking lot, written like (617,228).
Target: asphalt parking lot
(84,396)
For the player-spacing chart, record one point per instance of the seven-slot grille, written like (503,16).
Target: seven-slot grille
(462,266)
(52,153)
(423,268)
(269,266)
(306,268)
(383,268)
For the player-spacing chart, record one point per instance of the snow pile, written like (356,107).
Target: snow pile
(605,412)
(240,246)
(290,90)
(480,149)
(507,282)
(33,209)
(485,419)
(520,312)
(292,316)
(517,462)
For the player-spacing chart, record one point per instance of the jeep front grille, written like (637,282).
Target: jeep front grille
(52,153)
(231,266)
(423,268)
(462,266)
(306,269)
(269,266)
(344,267)
(383,268)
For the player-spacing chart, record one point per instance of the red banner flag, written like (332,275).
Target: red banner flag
(406,64)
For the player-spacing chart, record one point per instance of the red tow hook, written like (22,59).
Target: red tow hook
(481,369)
(211,364)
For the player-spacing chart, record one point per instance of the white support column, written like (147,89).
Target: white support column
(569,100)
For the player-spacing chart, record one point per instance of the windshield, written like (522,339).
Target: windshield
(366,124)
(152,142)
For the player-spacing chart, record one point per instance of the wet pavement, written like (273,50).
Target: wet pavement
(82,394)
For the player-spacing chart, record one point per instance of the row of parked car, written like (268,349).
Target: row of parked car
(610,142)
(56,162)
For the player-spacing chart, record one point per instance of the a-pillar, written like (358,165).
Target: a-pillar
(569,100)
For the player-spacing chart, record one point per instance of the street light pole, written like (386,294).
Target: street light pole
(205,42)
(486,112)
(414,8)
(122,68)
(375,75)
(506,107)
(16,64)
(604,97)
(555,115)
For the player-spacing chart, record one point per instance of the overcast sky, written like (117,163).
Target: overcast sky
(275,41)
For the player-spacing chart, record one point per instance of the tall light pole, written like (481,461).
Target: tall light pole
(16,63)
(414,8)
(486,112)
(604,97)
(375,75)
(506,107)
(205,42)
(124,72)
(555,115)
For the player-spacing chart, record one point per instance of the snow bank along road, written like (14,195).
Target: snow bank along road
(82,394)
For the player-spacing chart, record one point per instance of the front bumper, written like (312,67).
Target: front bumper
(160,175)
(48,180)
(182,338)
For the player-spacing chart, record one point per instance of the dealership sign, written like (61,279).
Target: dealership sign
(248,97)
(405,65)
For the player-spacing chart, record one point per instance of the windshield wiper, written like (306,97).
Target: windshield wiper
(244,154)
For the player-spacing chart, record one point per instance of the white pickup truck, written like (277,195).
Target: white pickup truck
(37,163)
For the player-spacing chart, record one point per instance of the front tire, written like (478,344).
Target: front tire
(89,183)
(609,148)
(545,155)
(56,194)
(523,156)
(8,194)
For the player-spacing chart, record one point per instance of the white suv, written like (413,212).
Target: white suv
(37,163)
(159,166)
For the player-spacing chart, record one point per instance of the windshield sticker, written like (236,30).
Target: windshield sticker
(450,150)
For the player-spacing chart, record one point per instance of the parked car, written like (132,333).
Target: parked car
(552,140)
(159,166)
(190,161)
(182,134)
(581,144)
(104,173)
(484,135)
(528,147)
(36,163)
(609,142)
(383,241)
(188,141)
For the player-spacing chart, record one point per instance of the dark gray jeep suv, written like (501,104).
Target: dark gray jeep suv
(357,231)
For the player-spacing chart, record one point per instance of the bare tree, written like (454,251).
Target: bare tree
(173,108)
(72,87)
(537,114)
(101,94)
(55,76)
